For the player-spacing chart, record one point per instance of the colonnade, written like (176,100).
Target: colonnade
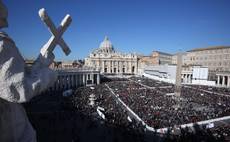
(72,80)
(187,78)
(223,80)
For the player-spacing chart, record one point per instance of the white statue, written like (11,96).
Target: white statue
(17,85)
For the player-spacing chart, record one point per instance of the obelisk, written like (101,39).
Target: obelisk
(178,75)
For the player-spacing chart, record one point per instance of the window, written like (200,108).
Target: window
(114,70)
(88,76)
(133,68)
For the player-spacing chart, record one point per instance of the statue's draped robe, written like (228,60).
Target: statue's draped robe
(16,86)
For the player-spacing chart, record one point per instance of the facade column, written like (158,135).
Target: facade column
(58,84)
(185,78)
(228,85)
(72,81)
(113,66)
(130,66)
(81,78)
(223,81)
(108,66)
(118,68)
(122,64)
(92,77)
(76,80)
(83,81)
(98,78)
(189,78)
(68,81)
(103,66)
(218,80)
(64,81)
(61,82)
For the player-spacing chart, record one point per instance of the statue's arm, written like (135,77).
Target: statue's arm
(16,84)
(37,81)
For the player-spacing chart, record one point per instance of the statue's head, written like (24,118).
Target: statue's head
(3,15)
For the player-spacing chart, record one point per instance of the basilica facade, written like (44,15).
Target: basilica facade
(108,61)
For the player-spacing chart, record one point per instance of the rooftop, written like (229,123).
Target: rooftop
(209,48)
(162,53)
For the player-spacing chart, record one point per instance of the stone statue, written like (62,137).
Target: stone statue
(18,85)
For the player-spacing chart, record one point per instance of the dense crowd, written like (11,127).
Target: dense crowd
(58,118)
(218,90)
(150,82)
(160,110)
(114,114)
(155,105)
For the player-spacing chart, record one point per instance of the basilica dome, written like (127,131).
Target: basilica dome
(106,46)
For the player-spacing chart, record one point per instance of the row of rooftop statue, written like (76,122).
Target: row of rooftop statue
(18,85)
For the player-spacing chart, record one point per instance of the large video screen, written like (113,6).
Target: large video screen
(200,73)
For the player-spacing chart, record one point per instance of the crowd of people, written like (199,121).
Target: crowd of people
(113,113)
(58,118)
(213,89)
(150,82)
(160,110)
(154,105)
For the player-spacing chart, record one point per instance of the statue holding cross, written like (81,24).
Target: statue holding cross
(17,85)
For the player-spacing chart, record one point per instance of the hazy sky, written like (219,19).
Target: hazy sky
(139,26)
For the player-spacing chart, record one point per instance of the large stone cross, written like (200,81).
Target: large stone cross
(56,37)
